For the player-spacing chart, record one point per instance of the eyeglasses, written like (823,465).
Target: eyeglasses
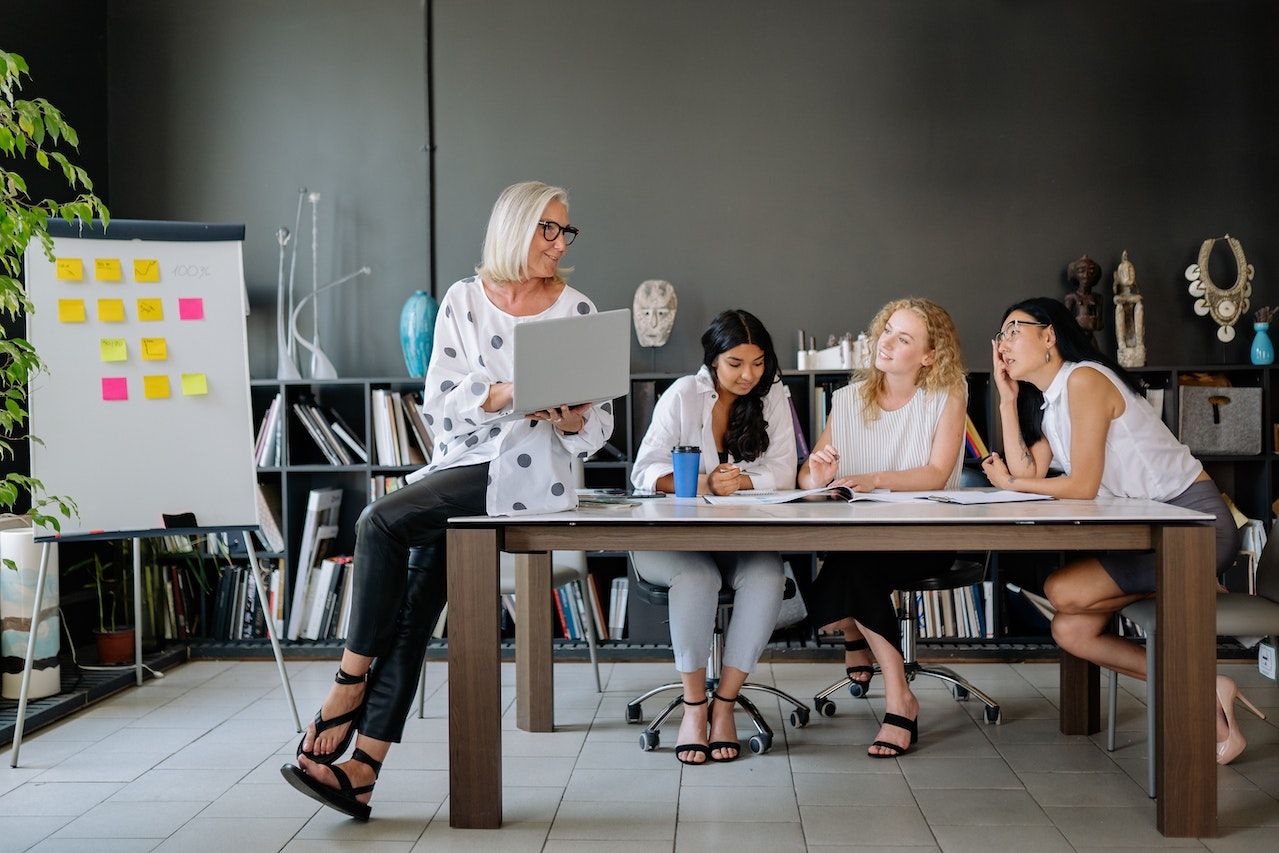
(551,230)
(1014,329)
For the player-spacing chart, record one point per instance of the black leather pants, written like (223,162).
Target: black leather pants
(401,584)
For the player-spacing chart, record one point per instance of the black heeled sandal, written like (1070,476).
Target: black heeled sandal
(323,725)
(858,688)
(700,748)
(904,723)
(725,744)
(342,799)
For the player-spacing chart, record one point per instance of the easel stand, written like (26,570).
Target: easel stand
(137,620)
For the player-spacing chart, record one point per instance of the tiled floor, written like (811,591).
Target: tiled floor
(190,763)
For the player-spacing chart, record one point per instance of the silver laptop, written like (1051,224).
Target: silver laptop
(572,360)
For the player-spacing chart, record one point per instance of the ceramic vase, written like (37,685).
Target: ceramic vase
(1263,351)
(417,331)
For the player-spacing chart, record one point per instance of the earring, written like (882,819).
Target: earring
(1048,356)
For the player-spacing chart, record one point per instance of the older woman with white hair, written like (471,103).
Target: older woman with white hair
(484,462)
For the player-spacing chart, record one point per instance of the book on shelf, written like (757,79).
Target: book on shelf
(562,612)
(508,604)
(268,449)
(383,484)
(268,498)
(977,448)
(319,530)
(441,623)
(317,427)
(417,425)
(321,597)
(401,428)
(597,610)
(347,435)
(617,601)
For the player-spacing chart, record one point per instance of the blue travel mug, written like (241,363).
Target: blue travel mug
(686,460)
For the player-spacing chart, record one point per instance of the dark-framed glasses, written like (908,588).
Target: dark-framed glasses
(1013,330)
(552,229)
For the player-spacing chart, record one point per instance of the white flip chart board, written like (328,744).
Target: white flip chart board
(145,408)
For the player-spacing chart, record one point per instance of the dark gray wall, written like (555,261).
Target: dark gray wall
(809,161)
(221,110)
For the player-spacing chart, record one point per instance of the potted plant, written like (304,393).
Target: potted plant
(31,132)
(114,636)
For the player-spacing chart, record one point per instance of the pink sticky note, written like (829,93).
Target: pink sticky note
(191,309)
(115,388)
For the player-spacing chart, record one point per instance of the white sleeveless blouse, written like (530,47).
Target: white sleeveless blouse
(1143,458)
(895,441)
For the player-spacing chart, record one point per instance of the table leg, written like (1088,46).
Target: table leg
(475,701)
(1080,699)
(534,676)
(1185,668)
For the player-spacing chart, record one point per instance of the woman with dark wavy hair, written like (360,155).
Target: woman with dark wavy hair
(1064,405)
(736,410)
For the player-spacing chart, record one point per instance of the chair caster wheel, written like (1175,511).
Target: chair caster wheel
(634,714)
(761,743)
(858,690)
(994,716)
(960,693)
(649,741)
(825,707)
(799,717)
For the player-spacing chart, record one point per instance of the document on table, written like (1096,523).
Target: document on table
(949,496)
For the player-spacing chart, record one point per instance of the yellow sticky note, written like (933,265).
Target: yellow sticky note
(194,385)
(106,269)
(150,309)
(114,349)
(70,310)
(146,270)
(154,349)
(155,387)
(70,269)
(111,310)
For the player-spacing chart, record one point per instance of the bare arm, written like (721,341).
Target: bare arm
(1022,461)
(1094,403)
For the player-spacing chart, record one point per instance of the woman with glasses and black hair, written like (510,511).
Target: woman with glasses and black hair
(898,425)
(484,462)
(736,409)
(1065,405)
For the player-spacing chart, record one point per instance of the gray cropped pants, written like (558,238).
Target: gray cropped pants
(695,580)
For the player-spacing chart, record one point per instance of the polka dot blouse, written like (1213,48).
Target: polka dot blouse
(531,461)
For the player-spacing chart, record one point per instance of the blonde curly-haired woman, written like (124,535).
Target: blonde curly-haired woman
(898,425)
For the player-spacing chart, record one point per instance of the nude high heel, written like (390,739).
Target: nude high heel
(1227,692)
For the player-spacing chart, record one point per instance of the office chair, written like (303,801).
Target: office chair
(961,573)
(1238,615)
(762,740)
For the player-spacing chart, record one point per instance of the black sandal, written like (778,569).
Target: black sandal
(857,687)
(900,722)
(343,799)
(323,725)
(700,748)
(725,744)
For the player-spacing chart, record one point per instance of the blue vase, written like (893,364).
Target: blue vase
(417,331)
(1263,351)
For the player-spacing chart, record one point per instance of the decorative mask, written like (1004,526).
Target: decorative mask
(653,312)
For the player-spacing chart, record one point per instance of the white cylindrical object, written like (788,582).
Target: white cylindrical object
(17,599)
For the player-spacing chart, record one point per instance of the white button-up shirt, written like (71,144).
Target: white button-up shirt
(1143,458)
(531,461)
(682,416)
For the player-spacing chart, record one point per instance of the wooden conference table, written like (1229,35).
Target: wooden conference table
(1185,657)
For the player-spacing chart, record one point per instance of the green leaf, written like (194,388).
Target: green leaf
(42,158)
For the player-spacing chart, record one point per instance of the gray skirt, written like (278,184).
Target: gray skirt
(1134,571)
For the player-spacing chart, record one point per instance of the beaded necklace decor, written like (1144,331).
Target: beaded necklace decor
(1225,305)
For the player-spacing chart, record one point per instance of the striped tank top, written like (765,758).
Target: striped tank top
(895,441)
